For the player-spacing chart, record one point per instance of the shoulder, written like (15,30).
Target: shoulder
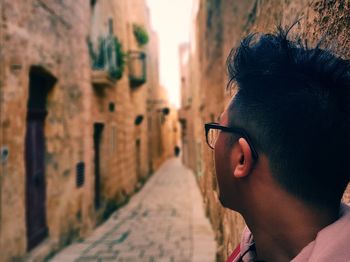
(331,243)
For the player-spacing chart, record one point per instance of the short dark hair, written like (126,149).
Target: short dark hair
(295,103)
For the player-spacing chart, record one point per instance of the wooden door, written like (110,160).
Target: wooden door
(35,178)
(98,128)
(138,158)
(41,82)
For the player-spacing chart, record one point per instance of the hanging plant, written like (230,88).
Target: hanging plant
(109,56)
(140,34)
(117,67)
(93,54)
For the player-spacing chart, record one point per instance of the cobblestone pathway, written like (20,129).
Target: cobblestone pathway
(165,221)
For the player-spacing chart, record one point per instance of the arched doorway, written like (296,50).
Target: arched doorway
(40,82)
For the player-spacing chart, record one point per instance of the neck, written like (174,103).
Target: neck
(282,230)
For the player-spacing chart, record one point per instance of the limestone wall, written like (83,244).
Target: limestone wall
(53,36)
(112,107)
(219,26)
(37,33)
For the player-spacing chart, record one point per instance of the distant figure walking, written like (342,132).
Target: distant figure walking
(177,151)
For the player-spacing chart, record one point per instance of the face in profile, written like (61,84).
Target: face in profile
(223,165)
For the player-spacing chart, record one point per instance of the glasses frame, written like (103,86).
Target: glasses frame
(232,129)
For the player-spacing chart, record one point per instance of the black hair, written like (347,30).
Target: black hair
(295,103)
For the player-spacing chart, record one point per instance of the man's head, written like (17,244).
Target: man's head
(294,102)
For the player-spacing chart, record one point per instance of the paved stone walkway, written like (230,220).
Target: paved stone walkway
(165,221)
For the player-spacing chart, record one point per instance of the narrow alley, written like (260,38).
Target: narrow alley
(164,221)
(108,112)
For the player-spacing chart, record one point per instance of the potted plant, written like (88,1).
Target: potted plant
(140,34)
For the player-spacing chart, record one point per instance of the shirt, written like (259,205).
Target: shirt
(332,243)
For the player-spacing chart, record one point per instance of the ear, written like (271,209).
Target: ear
(242,159)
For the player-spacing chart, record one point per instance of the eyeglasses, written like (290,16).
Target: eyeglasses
(212,131)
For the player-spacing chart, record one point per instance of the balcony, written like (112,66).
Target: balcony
(101,78)
(137,68)
(107,61)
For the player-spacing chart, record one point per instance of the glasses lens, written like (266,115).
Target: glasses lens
(212,136)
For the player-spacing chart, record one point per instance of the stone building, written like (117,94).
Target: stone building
(74,133)
(116,138)
(186,105)
(154,110)
(167,117)
(218,26)
(45,125)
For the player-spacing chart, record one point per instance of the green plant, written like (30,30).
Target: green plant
(116,72)
(140,34)
(109,56)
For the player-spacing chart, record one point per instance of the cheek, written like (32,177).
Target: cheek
(222,168)
(222,165)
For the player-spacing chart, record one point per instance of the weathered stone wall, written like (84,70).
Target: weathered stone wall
(186,106)
(154,104)
(219,27)
(169,126)
(138,15)
(38,33)
(53,35)
(117,153)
